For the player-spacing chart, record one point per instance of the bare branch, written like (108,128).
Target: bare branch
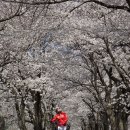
(37,3)
(16,14)
(109,6)
(128,2)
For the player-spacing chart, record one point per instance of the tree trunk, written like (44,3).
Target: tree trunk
(123,124)
(21,114)
(37,111)
(2,123)
(119,121)
(104,120)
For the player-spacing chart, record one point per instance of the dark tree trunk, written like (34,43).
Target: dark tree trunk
(119,121)
(37,111)
(104,120)
(2,123)
(20,109)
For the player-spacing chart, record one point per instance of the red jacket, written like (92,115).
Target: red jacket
(60,118)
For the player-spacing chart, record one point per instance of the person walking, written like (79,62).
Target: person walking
(60,119)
